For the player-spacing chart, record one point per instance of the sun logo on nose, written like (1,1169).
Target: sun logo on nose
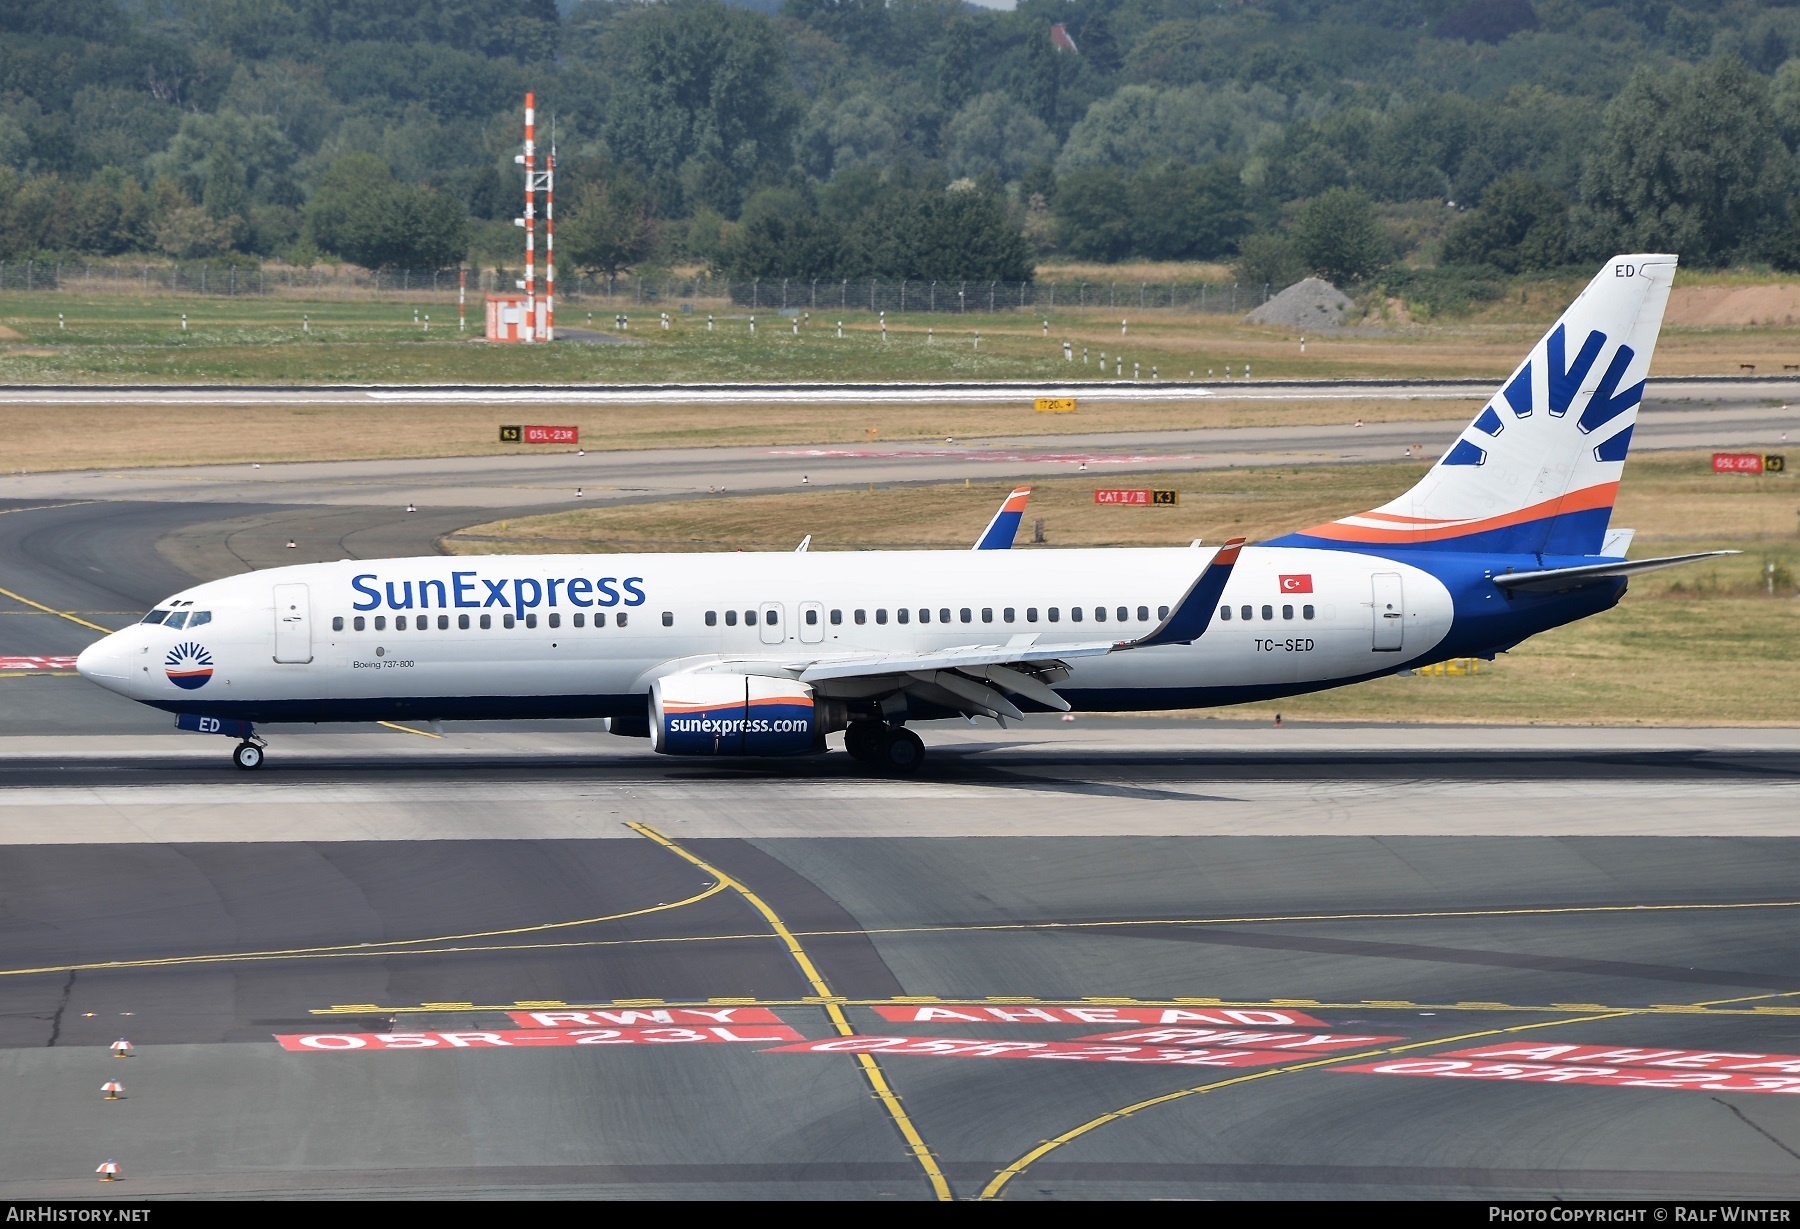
(188,665)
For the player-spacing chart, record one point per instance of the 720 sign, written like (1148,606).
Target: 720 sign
(540,435)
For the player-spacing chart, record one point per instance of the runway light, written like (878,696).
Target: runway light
(114,1090)
(108,1170)
(121,1048)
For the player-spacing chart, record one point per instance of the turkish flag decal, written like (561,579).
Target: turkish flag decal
(1296,584)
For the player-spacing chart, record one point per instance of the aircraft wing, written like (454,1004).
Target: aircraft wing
(1554,580)
(976,678)
(1004,527)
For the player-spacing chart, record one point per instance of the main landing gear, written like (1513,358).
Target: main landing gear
(248,755)
(892,750)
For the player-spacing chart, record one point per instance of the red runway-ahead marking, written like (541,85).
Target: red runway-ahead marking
(974,454)
(37,663)
(529,1038)
(1241,1038)
(624,1017)
(1066,1051)
(1610,1066)
(1226,1017)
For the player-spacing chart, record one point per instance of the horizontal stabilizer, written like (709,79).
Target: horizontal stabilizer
(1553,580)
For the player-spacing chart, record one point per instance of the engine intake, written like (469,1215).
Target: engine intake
(739,714)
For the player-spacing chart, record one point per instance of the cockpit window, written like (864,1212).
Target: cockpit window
(176,618)
(198,617)
(155,616)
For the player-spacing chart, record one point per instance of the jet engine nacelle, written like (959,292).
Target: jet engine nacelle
(739,714)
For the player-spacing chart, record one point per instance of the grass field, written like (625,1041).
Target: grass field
(1704,644)
(250,340)
(116,436)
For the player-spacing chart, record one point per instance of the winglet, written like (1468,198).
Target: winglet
(1193,614)
(1005,526)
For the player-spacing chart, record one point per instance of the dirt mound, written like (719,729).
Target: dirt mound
(1733,305)
(7,334)
(1311,304)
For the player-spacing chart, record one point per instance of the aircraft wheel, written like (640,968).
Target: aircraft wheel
(862,739)
(247,756)
(902,752)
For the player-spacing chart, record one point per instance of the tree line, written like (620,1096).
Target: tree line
(907,138)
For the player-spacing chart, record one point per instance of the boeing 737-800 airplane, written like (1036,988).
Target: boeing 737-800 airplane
(766,654)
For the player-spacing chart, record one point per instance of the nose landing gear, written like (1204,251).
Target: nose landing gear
(891,750)
(248,755)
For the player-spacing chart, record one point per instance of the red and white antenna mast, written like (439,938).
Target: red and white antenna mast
(529,158)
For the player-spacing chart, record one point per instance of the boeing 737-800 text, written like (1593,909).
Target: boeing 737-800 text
(766,654)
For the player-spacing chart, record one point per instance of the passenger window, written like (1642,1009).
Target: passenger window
(1268,613)
(771,617)
(1247,612)
(531,619)
(177,619)
(1007,614)
(1143,614)
(944,615)
(506,620)
(812,618)
(1074,614)
(381,622)
(1031,614)
(1287,612)
(968,616)
(443,623)
(619,619)
(487,621)
(155,616)
(1162,612)
(924,616)
(668,618)
(462,623)
(712,619)
(902,615)
(1055,613)
(987,614)
(749,618)
(880,615)
(357,623)
(837,618)
(580,620)
(399,623)
(861,618)
(1124,614)
(731,618)
(599,618)
(1099,614)
(1225,613)
(1306,612)
(554,620)
(199,617)
(337,623)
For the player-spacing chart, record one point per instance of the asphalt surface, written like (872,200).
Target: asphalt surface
(1441,889)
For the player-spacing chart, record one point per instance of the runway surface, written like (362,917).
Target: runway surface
(957,986)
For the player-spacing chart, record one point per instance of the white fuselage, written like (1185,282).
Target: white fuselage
(335,639)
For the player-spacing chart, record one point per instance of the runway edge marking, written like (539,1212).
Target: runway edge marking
(877,1079)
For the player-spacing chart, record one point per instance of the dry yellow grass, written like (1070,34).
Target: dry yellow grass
(1703,644)
(112,436)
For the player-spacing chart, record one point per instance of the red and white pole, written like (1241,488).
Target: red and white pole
(462,299)
(530,218)
(550,241)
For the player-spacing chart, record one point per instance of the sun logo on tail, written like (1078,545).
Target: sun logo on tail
(188,665)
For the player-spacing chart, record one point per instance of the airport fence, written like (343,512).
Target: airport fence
(231,278)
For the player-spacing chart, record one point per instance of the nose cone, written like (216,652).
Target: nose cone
(104,662)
